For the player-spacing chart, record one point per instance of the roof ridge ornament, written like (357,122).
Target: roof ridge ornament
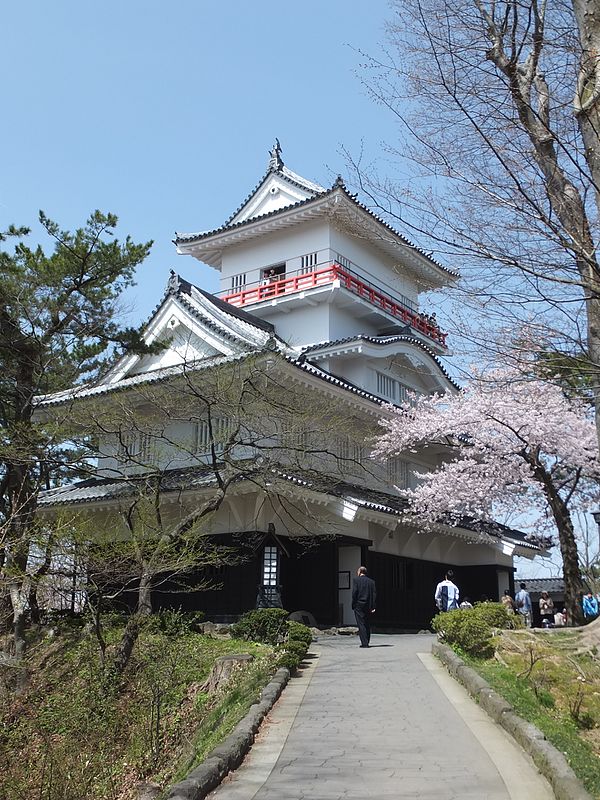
(173,283)
(339,183)
(275,161)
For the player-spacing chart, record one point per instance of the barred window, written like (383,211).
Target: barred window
(308,262)
(343,261)
(136,446)
(238,281)
(351,450)
(391,388)
(398,472)
(203,441)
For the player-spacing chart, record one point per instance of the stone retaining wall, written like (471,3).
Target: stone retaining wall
(550,761)
(230,753)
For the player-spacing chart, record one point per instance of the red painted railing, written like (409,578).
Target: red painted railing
(334,272)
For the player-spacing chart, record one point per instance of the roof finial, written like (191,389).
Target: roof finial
(173,282)
(339,183)
(275,162)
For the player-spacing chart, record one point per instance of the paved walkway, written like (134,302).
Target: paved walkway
(387,723)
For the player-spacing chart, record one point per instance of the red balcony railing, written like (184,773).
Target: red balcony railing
(298,282)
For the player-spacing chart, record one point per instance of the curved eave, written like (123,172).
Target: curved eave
(208,247)
(360,343)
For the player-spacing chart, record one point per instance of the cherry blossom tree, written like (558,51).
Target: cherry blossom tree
(513,444)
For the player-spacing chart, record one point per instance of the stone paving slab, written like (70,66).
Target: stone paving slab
(381,723)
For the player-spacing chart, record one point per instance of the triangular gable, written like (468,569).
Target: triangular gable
(273,194)
(279,189)
(193,326)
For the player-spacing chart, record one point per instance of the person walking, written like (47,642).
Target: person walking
(446,593)
(364,597)
(590,606)
(508,602)
(523,604)
(546,610)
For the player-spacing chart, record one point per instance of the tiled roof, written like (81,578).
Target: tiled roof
(106,489)
(555,586)
(382,340)
(178,480)
(292,177)
(334,380)
(156,376)
(248,332)
(337,187)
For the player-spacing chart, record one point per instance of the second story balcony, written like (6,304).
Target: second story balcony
(274,285)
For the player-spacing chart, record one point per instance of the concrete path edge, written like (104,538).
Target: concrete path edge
(550,761)
(228,755)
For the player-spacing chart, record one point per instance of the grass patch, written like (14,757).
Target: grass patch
(79,732)
(552,685)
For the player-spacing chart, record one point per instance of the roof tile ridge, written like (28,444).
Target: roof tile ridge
(389,340)
(230,227)
(237,313)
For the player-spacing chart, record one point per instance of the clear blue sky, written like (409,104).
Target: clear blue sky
(164,112)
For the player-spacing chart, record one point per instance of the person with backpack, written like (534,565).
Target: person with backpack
(523,604)
(446,593)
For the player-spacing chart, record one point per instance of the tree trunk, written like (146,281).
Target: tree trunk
(568,544)
(222,670)
(135,621)
(587,97)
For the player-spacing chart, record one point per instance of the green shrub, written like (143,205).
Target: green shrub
(496,616)
(174,621)
(287,659)
(266,625)
(472,629)
(299,649)
(298,631)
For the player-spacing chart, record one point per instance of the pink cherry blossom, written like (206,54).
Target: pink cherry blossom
(510,442)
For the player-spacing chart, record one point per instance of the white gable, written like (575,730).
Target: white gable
(187,338)
(183,345)
(274,193)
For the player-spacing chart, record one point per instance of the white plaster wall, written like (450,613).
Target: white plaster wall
(376,263)
(273,248)
(440,548)
(302,325)
(353,369)
(346,321)
(184,346)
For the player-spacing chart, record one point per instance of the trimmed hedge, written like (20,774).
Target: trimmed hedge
(472,629)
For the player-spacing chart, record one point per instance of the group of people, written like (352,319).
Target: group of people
(428,319)
(522,604)
(447,598)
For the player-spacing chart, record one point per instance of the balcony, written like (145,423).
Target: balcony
(302,280)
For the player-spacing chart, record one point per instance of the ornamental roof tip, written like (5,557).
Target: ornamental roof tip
(275,159)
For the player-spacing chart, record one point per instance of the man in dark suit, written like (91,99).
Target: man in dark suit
(363,604)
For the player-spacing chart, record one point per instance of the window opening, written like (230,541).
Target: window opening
(221,431)
(238,281)
(391,388)
(272,274)
(308,262)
